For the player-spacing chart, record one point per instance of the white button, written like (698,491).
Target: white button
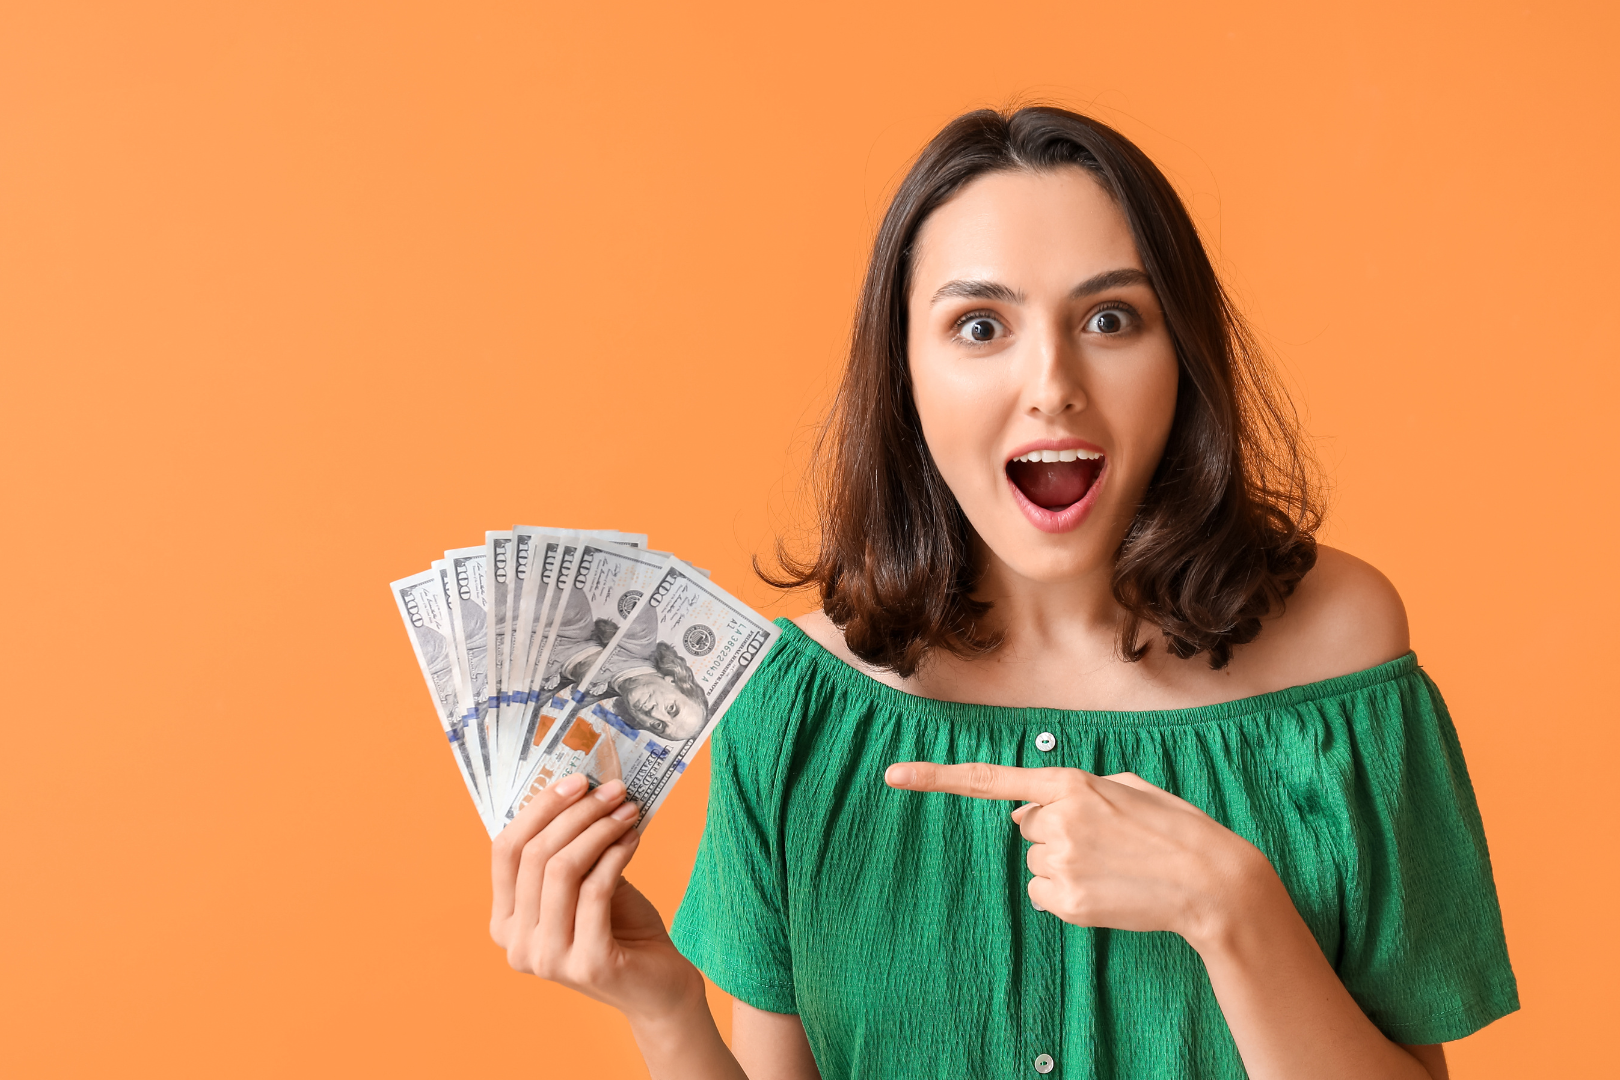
(1045,741)
(1043,1064)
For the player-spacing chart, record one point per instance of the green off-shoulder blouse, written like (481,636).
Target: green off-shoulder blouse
(897,926)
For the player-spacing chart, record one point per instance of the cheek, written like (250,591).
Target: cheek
(1142,401)
(962,411)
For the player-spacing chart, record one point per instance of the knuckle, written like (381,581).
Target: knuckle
(562,868)
(981,778)
(589,971)
(538,849)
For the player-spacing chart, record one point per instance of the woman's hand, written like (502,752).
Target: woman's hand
(562,911)
(1112,851)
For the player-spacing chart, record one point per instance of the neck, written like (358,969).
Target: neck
(1039,616)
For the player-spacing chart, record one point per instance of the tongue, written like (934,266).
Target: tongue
(1053,485)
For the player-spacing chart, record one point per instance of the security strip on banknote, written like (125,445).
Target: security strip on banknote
(555,651)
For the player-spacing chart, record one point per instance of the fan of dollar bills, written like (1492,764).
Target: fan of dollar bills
(555,651)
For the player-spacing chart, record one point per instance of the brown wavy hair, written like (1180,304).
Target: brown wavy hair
(1227,526)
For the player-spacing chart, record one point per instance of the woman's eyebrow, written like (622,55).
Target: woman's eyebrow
(978,290)
(1109,279)
(995,290)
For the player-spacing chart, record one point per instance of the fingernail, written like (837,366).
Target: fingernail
(610,790)
(899,775)
(626,812)
(571,785)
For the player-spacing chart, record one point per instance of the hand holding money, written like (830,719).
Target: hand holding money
(563,912)
(551,652)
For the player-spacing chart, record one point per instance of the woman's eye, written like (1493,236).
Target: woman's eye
(1108,321)
(980,329)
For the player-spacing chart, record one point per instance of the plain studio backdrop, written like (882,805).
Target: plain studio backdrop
(295,296)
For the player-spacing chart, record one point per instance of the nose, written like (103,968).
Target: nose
(1053,386)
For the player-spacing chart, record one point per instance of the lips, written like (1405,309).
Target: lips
(1055,482)
(1054,485)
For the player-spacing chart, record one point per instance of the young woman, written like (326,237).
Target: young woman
(1093,763)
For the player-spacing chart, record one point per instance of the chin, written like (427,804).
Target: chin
(1053,557)
(1051,571)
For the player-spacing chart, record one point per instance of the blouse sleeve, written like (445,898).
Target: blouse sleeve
(1422,949)
(732,922)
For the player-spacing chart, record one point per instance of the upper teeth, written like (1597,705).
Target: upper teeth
(1059,455)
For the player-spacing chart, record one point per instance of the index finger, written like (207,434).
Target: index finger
(979,780)
(507,851)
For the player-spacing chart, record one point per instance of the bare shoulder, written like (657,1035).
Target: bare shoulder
(824,632)
(1344,617)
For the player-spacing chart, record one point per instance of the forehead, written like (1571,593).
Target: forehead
(1024,229)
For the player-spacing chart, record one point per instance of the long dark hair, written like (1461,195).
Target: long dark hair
(1226,528)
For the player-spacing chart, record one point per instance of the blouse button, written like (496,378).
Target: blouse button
(1045,741)
(1043,1064)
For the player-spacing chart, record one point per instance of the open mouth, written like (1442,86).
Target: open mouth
(1055,480)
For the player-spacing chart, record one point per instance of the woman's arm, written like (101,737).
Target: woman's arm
(771,1046)
(562,911)
(1118,852)
(1289,1013)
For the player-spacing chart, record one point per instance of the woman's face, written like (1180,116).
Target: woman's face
(1044,375)
(658,706)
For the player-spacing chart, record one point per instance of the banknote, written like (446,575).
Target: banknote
(458,652)
(515,645)
(557,575)
(424,605)
(524,610)
(522,540)
(498,574)
(638,707)
(535,607)
(598,586)
(469,615)
(529,543)
(551,551)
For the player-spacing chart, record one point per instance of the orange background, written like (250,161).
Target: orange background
(294,296)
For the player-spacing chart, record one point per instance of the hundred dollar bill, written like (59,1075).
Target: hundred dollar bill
(524,610)
(514,648)
(521,541)
(498,576)
(425,608)
(639,707)
(596,590)
(556,574)
(469,615)
(533,543)
(553,568)
(458,650)
(535,606)
(534,609)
